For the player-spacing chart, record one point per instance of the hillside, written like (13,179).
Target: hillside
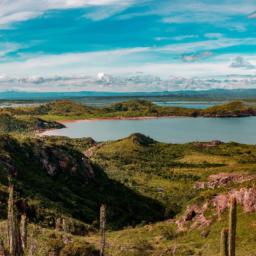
(194,182)
(161,198)
(16,124)
(79,186)
(68,110)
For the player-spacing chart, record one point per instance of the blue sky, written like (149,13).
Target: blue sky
(162,37)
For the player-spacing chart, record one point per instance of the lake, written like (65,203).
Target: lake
(173,130)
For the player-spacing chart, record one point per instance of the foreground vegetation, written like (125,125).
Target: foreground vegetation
(162,199)
(155,194)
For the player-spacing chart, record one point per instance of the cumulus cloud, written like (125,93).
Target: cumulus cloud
(132,82)
(241,62)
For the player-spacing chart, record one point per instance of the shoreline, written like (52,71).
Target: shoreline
(44,133)
(116,118)
(138,118)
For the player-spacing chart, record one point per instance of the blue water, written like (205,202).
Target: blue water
(174,130)
(188,104)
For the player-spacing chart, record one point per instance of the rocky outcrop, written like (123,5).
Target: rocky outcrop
(209,144)
(193,218)
(246,197)
(41,124)
(222,179)
(54,159)
(58,159)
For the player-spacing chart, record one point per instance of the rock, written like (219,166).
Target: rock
(193,217)
(246,197)
(190,215)
(59,159)
(209,144)
(222,179)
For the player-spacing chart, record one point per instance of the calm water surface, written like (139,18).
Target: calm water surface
(175,130)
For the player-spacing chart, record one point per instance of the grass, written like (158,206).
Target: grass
(146,184)
(68,110)
(80,187)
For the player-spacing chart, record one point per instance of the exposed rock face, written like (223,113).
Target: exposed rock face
(57,159)
(246,197)
(222,179)
(193,218)
(53,158)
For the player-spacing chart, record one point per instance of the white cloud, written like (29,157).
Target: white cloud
(252,15)
(114,60)
(184,37)
(213,35)
(217,13)
(12,11)
(130,82)
(6,48)
(176,38)
(241,62)
(206,45)
(196,57)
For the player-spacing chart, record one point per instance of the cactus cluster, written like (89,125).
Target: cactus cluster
(228,236)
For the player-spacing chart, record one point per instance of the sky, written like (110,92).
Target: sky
(72,40)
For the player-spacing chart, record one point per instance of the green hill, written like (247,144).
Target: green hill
(56,179)
(189,180)
(175,196)
(64,110)
(11,123)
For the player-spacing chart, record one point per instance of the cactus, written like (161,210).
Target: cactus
(224,242)
(33,248)
(58,225)
(13,231)
(64,225)
(23,231)
(232,228)
(102,229)
(2,250)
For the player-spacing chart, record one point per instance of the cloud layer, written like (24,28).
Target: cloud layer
(63,44)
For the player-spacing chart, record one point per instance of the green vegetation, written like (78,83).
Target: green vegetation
(16,124)
(162,199)
(68,110)
(80,187)
(143,182)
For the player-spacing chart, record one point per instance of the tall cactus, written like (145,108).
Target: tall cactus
(33,248)
(58,224)
(224,242)
(2,250)
(12,222)
(23,231)
(232,227)
(102,229)
(14,240)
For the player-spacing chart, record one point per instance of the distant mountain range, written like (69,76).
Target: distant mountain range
(222,94)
